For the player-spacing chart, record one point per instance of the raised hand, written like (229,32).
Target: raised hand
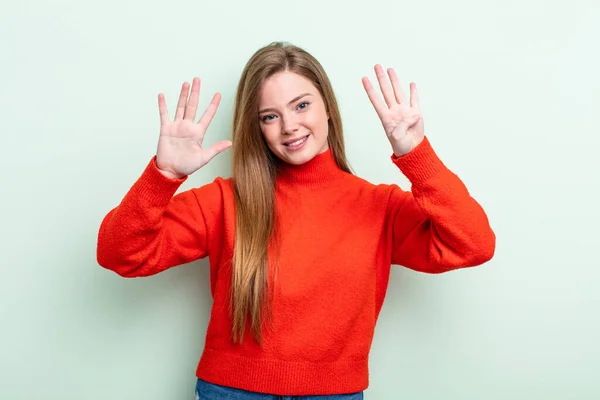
(402,121)
(180,151)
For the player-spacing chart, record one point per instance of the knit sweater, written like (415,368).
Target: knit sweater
(340,237)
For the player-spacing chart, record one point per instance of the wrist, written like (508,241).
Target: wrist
(167,173)
(401,150)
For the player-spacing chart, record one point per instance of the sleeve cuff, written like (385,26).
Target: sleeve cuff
(156,186)
(420,164)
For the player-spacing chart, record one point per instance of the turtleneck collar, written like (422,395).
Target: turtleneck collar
(320,171)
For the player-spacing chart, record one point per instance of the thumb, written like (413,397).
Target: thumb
(409,121)
(216,148)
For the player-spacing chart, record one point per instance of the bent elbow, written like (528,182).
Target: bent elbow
(111,261)
(476,252)
(123,269)
(484,249)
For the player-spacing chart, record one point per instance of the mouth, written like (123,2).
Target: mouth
(296,142)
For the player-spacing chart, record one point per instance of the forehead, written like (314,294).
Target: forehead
(284,86)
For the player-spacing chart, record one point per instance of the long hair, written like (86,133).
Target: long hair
(254,174)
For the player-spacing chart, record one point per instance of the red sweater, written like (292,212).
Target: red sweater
(341,234)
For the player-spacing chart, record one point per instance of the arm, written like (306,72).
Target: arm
(438,226)
(152,230)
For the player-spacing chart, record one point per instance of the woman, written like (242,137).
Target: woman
(300,248)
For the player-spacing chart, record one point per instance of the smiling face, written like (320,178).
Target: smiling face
(293,117)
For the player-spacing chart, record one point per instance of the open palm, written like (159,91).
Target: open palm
(180,151)
(401,120)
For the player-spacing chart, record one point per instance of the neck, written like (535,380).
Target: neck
(320,171)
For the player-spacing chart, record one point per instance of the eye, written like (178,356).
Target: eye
(266,118)
(303,105)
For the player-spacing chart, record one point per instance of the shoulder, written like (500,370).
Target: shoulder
(378,190)
(215,194)
(218,184)
(373,196)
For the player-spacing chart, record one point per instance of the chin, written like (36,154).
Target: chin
(297,159)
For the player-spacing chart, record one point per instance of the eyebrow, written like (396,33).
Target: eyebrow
(290,102)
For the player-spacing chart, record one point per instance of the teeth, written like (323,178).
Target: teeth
(297,141)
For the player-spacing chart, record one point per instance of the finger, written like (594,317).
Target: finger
(384,84)
(217,148)
(210,111)
(192,105)
(400,97)
(414,96)
(162,109)
(183,95)
(376,100)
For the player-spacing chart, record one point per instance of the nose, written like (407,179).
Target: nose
(289,125)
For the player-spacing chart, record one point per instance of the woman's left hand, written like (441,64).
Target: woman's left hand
(402,121)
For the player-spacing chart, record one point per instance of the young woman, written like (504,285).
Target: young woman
(300,248)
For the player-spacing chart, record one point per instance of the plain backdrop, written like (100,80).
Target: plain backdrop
(509,91)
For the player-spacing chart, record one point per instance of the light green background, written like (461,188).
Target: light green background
(509,92)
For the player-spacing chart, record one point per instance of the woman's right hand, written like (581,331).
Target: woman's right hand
(180,152)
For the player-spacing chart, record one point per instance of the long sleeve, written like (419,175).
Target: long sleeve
(437,226)
(152,229)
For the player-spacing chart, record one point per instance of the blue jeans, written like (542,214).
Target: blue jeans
(210,391)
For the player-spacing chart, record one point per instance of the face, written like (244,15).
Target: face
(293,118)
